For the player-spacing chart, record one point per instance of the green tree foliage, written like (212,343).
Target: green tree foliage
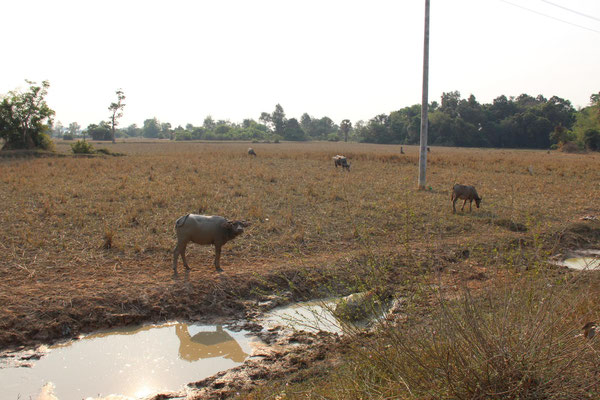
(587,119)
(101,131)
(318,128)
(591,139)
(82,147)
(166,131)
(345,127)
(57,129)
(595,104)
(249,129)
(74,129)
(151,128)
(293,131)
(116,112)
(278,119)
(524,121)
(209,123)
(133,131)
(561,135)
(25,117)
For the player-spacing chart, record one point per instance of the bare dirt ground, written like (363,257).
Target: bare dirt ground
(86,243)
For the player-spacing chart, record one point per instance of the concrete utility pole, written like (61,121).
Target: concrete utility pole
(424,103)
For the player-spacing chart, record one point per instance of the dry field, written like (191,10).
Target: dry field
(87,242)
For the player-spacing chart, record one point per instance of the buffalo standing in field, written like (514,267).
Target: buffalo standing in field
(251,152)
(464,192)
(204,229)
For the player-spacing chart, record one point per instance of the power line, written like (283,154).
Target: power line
(571,10)
(550,16)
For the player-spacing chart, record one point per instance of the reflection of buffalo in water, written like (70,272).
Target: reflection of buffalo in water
(208,345)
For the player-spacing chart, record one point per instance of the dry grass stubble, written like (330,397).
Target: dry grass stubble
(88,239)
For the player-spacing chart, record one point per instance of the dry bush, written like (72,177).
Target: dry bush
(518,340)
(570,147)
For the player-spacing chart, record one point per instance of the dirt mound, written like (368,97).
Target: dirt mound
(510,225)
(580,234)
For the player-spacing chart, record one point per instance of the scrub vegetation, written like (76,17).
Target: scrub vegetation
(87,243)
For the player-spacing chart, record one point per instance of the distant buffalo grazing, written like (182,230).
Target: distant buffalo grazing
(465,193)
(251,152)
(341,161)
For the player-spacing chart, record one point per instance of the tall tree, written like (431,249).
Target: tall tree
(74,129)
(345,126)
(25,116)
(293,131)
(209,123)
(266,119)
(100,131)
(151,128)
(58,129)
(116,112)
(595,101)
(278,119)
(166,131)
(133,131)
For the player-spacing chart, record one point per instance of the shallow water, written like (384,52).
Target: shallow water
(581,263)
(310,316)
(133,362)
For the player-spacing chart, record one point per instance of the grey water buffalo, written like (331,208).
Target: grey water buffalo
(341,161)
(466,193)
(206,230)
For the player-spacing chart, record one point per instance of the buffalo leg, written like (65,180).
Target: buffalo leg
(175,257)
(185,264)
(179,251)
(218,258)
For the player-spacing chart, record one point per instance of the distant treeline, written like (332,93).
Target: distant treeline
(521,122)
(511,122)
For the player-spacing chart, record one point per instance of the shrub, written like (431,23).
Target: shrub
(183,135)
(82,147)
(104,151)
(333,137)
(569,147)
(516,341)
(44,142)
(592,139)
(67,136)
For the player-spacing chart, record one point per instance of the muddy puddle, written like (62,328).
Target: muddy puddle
(582,263)
(134,362)
(310,316)
(582,260)
(322,315)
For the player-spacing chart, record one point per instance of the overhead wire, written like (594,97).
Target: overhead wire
(550,16)
(571,10)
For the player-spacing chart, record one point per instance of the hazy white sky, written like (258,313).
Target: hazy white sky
(182,60)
